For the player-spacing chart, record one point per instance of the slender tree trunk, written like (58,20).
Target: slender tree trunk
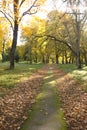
(3,53)
(78,60)
(31,58)
(47,59)
(14,43)
(57,59)
(66,57)
(43,59)
(30,49)
(85,58)
(62,58)
(36,59)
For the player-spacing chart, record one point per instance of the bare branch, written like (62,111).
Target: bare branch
(83,22)
(28,10)
(9,15)
(7,18)
(31,13)
(21,3)
(62,41)
(59,40)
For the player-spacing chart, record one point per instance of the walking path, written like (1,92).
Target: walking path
(47,115)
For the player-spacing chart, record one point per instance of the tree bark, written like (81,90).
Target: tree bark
(15,33)
(43,59)
(57,59)
(85,58)
(3,53)
(63,59)
(78,60)
(14,43)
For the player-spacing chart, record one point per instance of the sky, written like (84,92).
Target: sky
(45,9)
(49,6)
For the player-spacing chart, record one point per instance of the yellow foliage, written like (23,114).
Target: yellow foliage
(4,30)
(27,31)
(40,2)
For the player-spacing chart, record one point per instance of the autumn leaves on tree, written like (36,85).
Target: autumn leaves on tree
(60,37)
(14,11)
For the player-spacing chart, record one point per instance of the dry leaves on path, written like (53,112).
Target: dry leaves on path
(74,101)
(15,105)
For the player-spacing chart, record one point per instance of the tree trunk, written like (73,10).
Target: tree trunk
(47,59)
(57,59)
(30,49)
(14,43)
(3,53)
(15,33)
(66,57)
(30,58)
(62,58)
(78,60)
(43,59)
(36,59)
(85,57)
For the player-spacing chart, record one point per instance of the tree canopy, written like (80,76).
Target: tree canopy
(59,38)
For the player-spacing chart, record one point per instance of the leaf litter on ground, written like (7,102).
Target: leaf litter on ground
(15,105)
(73,99)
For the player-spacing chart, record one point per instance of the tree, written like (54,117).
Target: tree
(4,37)
(14,11)
(67,27)
(30,38)
(77,9)
(84,45)
(56,31)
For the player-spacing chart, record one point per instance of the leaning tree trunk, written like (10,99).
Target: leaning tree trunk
(14,43)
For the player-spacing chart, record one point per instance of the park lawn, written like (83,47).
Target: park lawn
(78,74)
(22,71)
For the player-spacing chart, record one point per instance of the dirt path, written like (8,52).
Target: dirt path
(47,115)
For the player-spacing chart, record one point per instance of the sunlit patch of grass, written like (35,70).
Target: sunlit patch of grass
(22,71)
(78,74)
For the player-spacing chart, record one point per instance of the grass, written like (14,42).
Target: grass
(31,112)
(68,68)
(78,74)
(22,71)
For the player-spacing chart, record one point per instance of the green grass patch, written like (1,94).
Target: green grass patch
(68,68)
(22,71)
(78,74)
(60,113)
(51,80)
(32,111)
